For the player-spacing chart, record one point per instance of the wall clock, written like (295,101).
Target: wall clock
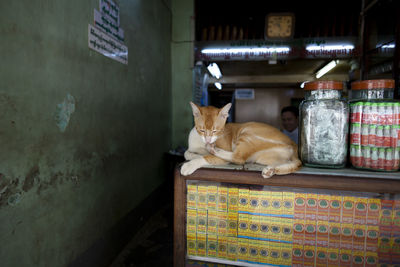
(279,26)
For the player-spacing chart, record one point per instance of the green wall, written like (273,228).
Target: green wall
(182,66)
(60,191)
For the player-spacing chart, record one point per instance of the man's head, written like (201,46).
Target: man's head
(290,118)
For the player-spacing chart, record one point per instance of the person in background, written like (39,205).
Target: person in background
(290,122)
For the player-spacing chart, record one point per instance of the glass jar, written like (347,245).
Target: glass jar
(375,126)
(324,117)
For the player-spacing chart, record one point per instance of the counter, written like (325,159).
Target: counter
(348,182)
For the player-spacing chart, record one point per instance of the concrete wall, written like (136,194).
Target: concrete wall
(182,65)
(60,191)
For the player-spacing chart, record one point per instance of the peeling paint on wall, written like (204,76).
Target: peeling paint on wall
(30,178)
(14,199)
(9,191)
(64,112)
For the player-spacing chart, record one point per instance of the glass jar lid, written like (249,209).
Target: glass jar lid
(372,84)
(324,85)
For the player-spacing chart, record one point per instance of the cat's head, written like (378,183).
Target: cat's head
(210,121)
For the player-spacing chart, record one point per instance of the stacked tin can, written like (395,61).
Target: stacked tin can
(375,126)
(324,124)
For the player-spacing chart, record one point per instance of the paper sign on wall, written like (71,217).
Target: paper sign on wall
(244,94)
(107,45)
(108,25)
(110,9)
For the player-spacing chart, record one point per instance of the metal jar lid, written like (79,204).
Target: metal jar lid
(324,85)
(372,84)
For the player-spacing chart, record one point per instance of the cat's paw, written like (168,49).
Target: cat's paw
(211,148)
(191,166)
(187,168)
(267,172)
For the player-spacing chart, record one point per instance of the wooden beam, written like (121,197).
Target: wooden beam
(276,79)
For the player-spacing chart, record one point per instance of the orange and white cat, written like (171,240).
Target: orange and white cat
(213,142)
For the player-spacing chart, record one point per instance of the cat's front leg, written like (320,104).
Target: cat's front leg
(191,166)
(189,155)
(220,153)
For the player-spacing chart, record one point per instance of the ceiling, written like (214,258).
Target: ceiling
(313,20)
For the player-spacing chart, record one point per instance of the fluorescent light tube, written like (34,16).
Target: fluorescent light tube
(218,85)
(388,46)
(246,50)
(214,70)
(303,83)
(329,47)
(326,68)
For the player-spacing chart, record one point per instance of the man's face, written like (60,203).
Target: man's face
(289,121)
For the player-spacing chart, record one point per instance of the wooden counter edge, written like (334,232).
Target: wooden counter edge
(300,180)
(179,235)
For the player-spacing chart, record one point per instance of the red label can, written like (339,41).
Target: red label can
(356,158)
(374,113)
(374,158)
(393,136)
(366,113)
(396,111)
(389,161)
(396,163)
(389,118)
(356,112)
(366,153)
(372,135)
(387,136)
(364,134)
(381,159)
(381,114)
(355,134)
(379,136)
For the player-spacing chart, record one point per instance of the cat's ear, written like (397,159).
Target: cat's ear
(195,109)
(224,112)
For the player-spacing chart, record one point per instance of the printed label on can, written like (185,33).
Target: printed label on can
(381,114)
(355,134)
(356,111)
(366,113)
(366,152)
(396,159)
(381,158)
(372,135)
(389,162)
(357,158)
(379,136)
(389,113)
(387,136)
(374,158)
(364,134)
(374,114)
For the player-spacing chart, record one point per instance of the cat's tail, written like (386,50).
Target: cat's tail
(289,167)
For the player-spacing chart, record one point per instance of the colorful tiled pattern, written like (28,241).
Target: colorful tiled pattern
(283,228)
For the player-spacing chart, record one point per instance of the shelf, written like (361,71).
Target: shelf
(349,172)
